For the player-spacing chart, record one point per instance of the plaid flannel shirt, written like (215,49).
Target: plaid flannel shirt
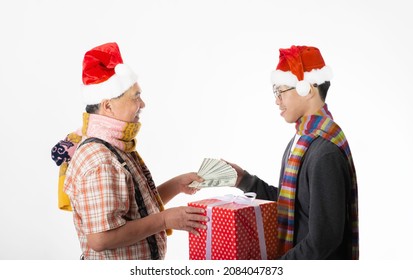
(102,197)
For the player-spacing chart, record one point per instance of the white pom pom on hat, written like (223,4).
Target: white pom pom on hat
(302,88)
(299,67)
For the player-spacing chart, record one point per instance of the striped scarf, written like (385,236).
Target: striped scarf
(320,124)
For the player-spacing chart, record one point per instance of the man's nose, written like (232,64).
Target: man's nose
(142,103)
(277,101)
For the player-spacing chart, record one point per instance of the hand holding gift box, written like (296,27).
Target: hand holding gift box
(239,227)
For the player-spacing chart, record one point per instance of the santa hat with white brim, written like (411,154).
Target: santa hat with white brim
(104,74)
(299,67)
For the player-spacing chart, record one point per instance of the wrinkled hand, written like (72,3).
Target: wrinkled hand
(240,172)
(185,179)
(185,218)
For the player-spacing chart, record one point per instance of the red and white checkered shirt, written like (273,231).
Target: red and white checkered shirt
(102,195)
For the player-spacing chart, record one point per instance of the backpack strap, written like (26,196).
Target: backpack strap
(138,195)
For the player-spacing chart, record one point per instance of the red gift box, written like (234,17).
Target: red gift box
(233,232)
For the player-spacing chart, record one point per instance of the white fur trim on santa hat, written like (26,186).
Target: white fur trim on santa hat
(318,76)
(113,87)
(279,77)
(315,76)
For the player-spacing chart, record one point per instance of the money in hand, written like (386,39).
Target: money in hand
(216,173)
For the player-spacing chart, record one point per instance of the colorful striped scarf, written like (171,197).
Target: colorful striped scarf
(320,124)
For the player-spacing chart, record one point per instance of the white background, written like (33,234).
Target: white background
(204,67)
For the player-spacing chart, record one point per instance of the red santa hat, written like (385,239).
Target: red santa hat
(104,74)
(300,66)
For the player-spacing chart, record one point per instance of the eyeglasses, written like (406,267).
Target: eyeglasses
(278,92)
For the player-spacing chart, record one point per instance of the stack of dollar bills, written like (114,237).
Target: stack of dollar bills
(216,173)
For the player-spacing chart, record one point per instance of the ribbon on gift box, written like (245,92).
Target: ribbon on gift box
(246,199)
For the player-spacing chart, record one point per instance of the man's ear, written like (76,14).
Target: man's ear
(106,107)
(313,92)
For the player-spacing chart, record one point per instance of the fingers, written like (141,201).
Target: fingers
(235,166)
(225,161)
(193,227)
(195,177)
(196,220)
(196,214)
(186,218)
(193,231)
(230,163)
(199,178)
(239,170)
(191,190)
(194,210)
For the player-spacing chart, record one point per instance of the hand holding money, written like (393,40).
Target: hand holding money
(216,173)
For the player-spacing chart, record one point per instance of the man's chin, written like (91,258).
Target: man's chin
(288,120)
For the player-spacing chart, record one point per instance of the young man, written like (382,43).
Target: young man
(117,209)
(317,193)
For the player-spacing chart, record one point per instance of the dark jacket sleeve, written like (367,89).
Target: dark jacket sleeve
(327,178)
(250,183)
